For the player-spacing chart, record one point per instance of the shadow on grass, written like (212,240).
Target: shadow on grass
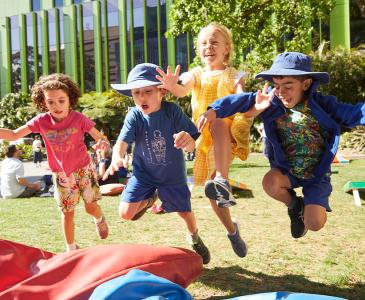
(240,282)
(239,193)
(249,165)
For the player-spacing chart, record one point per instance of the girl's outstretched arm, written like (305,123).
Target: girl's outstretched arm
(102,142)
(13,135)
(170,80)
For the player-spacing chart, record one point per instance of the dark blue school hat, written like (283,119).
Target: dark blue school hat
(293,64)
(140,76)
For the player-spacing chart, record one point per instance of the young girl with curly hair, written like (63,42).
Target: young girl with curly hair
(63,129)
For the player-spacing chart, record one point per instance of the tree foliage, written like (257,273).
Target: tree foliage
(15,110)
(347,73)
(260,28)
(107,109)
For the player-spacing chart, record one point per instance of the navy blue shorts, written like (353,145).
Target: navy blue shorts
(314,193)
(174,198)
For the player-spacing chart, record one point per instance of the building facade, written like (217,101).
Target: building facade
(98,42)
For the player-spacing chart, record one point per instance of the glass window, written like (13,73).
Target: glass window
(357,23)
(52,41)
(89,61)
(39,32)
(58,3)
(36,4)
(113,41)
(30,50)
(15,54)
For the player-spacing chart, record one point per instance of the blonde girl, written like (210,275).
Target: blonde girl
(224,138)
(63,130)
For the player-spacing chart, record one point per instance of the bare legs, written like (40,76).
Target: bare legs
(276,185)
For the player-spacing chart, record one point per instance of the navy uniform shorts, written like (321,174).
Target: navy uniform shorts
(174,198)
(314,193)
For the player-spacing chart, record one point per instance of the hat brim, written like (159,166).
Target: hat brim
(321,77)
(126,88)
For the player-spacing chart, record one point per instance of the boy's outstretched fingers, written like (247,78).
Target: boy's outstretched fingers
(168,79)
(263,99)
(110,171)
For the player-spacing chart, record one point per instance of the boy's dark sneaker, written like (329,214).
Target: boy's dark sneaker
(150,202)
(199,247)
(238,244)
(220,191)
(296,213)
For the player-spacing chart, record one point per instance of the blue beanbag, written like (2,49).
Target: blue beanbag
(137,285)
(286,296)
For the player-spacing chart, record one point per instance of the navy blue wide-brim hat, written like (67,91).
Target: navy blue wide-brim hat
(140,76)
(293,64)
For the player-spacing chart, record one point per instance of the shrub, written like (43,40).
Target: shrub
(347,73)
(107,109)
(354,139)
(27,150)
(15,110)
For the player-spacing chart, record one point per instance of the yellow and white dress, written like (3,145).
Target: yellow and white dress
(208,87)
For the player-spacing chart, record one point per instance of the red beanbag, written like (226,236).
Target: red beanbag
(30,273)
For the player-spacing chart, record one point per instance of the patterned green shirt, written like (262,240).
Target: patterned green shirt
(302,139)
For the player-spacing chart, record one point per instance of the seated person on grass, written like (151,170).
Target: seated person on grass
(13,183)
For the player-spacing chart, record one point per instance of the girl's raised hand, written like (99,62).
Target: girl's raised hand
(102,145)
(263,99)
(169,80)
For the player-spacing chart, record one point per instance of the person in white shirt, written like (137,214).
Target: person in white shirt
(13,183)
(37,151)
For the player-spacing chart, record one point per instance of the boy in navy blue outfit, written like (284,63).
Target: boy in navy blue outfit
(302,127)
(160,131)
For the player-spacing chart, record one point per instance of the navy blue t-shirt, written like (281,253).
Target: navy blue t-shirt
(155,159)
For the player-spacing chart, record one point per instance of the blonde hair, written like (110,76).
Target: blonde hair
(227,36)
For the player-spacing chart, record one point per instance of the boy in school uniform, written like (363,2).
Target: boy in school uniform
(302,128)
(160,131)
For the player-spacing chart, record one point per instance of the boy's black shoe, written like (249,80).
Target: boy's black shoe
(296,212)
(199,247)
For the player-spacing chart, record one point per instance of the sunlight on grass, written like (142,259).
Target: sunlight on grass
(330,262)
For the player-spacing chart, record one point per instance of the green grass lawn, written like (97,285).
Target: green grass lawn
(331,261)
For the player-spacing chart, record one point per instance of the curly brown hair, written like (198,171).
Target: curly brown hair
(56,81)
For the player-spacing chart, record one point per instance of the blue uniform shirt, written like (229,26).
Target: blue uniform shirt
(155,159)
(330,114)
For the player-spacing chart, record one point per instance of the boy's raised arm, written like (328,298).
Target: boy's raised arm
(119,151)
(262,101)
(169,81)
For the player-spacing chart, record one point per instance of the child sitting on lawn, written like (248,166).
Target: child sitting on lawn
(160,131)
(302,128)
(63,130)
